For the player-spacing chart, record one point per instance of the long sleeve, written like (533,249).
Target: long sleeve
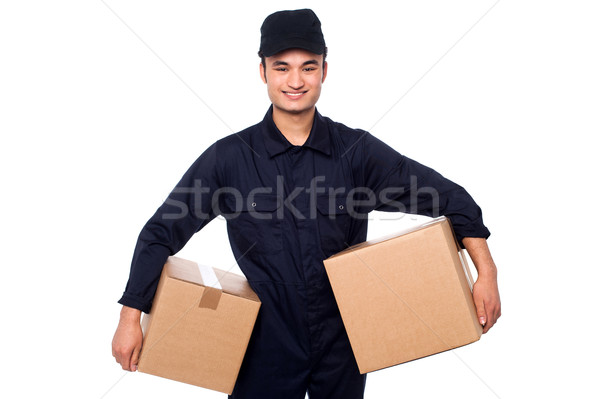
(402,184)
(187,209)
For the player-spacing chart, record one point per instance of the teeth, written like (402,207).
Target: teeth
(294,94)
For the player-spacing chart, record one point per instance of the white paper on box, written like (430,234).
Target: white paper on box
(209,278)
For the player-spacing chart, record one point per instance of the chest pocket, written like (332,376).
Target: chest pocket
(334,223)
(253,222)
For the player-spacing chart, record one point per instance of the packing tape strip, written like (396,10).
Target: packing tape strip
(461,255)
(212,288)
(465,265)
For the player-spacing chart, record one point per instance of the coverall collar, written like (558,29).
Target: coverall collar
(276,143)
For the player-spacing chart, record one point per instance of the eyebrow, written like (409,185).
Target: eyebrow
(309,62)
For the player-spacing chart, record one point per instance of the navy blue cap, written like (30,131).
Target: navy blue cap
(291,29)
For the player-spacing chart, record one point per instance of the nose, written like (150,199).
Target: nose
(295,80)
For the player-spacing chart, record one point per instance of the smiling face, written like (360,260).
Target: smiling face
(294,78)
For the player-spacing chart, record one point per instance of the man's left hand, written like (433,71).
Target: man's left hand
(487,301)
(485,291)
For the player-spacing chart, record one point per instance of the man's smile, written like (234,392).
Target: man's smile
(294,94)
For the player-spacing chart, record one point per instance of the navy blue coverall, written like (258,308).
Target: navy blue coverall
(288,208)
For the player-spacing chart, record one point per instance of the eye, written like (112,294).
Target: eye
(281,69)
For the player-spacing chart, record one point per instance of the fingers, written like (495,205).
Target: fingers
(123,357)
(493,313)
(487,326)
(487,302)
(125,350)
(481,314)
(134,359)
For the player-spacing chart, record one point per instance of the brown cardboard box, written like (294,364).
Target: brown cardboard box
(196,333)
(404,297)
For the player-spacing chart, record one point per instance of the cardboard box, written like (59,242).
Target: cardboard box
(198,332)
(405,296)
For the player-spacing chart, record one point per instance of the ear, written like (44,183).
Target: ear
(263,75)
(324,71)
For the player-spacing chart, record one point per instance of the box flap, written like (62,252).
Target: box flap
(235,284)
(388,237)
(189,271)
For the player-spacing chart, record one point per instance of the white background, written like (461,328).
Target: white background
(104,104)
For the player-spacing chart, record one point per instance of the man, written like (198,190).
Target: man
(295,189)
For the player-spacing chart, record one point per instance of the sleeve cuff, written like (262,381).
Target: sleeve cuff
(481,232)
(133,301)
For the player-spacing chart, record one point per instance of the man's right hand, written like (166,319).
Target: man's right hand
(127,342)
